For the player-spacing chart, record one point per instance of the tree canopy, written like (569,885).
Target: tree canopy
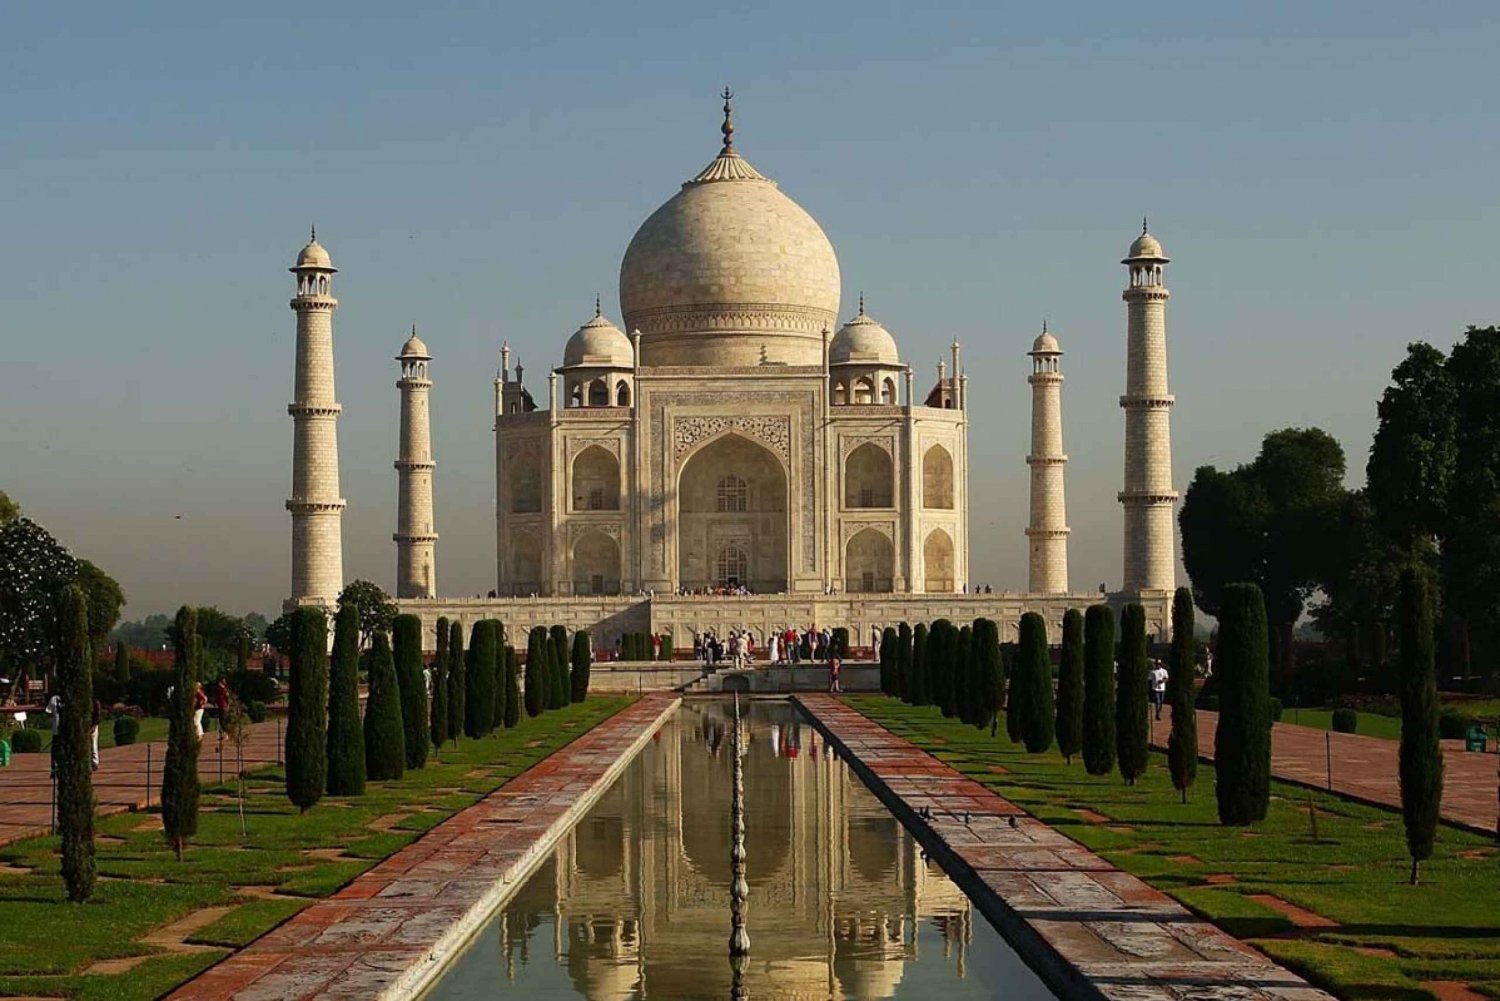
(377,612)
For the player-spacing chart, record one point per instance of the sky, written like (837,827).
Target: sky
(1321,174)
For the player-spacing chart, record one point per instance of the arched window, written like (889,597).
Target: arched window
(622,394)
(596,480)
(937,478)
(732,565)
(575,395)
(937,562)
(888,391)
(598,394)
(731,494)
(863,391)
(526,481)
(869,477)
(840,394)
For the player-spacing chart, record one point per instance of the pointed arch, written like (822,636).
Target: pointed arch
(937,479)
(869,477)
(733,490)
(596,564)
(937,562)
(595,480)
(869,562)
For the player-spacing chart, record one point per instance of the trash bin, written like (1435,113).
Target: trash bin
(4,754)
(1476,739)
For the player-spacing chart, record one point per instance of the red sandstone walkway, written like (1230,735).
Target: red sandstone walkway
(1091,930)
(121,783)
(1365,768)
(391,930)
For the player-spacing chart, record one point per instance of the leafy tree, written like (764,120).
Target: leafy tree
(1471,549)
(179,777)
(307,709)
(279,634)
(222,634)
(1242,741)
(1099,690)
(71,756)
(9,509)
(346,734)
(104,599)
(903,662)
(921,678)
(1070,686)
(438,723)
(122,663)
(887,654)
(255,623)
(150,633)
(537,648)
(479,706)
(406,638)
(1035,664)
(34,568)
(582,662)
(377,612)
(458,682)
(1132,696)
(1182,745)
(1412,460)
(558,696)
(1421,767)
(385,734)
(512,682)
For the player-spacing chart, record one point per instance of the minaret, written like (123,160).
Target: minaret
(1148,497)
(416,542)
(316,507)
(1048,530)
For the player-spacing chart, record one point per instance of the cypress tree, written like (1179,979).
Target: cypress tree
(903,662)
(307,709)
(537,645)
(458,683)
(921,681)
(438,723)
(71,756)
(1099,690)
(122,662)
(385,734)
(888,660)
(1421,755)
(940,644)
(963,687)
(179,777)
(1132,696)
(406,638)
(512,682)
(561,693)
(1034,663)
(1017,698)
(578,680)
(989,677)
(1070,686)
(501,692)
(479,677)
(1242,741)
(346,734)
(1182,745)
(242,653)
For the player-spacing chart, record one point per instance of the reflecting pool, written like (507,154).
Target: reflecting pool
(634,903)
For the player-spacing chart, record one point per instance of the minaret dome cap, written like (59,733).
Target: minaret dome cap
(1145,248)
(1046,344)
(414,349)
(314,256)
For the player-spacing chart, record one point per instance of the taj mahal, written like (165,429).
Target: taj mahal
(731,437)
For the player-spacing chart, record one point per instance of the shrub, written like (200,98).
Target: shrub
(346,734)
(1274,709)
(667,650)
(1211,703)
(256,686)
(256,711)
(888,661)
(179,779)
(1099,690)
(1345,721)
(406,637)
(942,640)
(106,689)
(479,680)
(148,690)
(840,642)
(963,673)
(1070,686)
(307,709)
(558,692)
(26,741)
(126,728)
(1453,725)
(385,737)
(501,692)
(122,663)
(1242,742)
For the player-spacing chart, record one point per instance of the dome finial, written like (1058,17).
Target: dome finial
(414,330)
(1044,324)
(314,237)
(728,127)
(861,302)
(1143,225)
(598,311)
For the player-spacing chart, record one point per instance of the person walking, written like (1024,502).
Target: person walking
(98,713)
(834,666)
(221,704)
(54,710)
(1158,678)
(200,703)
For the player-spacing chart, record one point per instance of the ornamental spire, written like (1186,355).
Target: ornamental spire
(598,311)
(728,127)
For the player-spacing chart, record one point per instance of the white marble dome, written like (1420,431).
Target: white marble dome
(314,256)
(414,348)
(1145,246)
(599,344)
(1045,344)
(728,266)
(863,341)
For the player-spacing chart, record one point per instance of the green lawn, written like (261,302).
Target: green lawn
(46,944)
(152,728)
(1391,937)
(1369,725)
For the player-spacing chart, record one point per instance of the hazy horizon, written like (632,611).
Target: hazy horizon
(1319,175)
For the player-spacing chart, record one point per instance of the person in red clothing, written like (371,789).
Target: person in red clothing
(200,703)
(221,704)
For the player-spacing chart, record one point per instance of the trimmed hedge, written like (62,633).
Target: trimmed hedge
(1344,721)
(385,736)
(406,638)
(1242,742)
(127,729)
(307,709)
(346,734)
(26,741)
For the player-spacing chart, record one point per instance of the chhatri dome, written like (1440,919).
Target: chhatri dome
(863,341)
(414,347)
(727,266)
(1145,247)
(313,255)
(599,343)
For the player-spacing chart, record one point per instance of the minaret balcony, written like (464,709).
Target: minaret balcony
(1146,293)
(304,506)
(1147,497)
(405,537)
(314,302)
(314,409)
(415,465)
(1049,533)
(1046,460)
(1147,401)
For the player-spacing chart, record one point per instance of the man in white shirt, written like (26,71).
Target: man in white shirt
(1158,678)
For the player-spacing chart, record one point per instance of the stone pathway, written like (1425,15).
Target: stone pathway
(1091,930)
(120,784)
(1365,768)
(391,931)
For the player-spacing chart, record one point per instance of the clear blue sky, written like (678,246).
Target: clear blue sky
(1323,176)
